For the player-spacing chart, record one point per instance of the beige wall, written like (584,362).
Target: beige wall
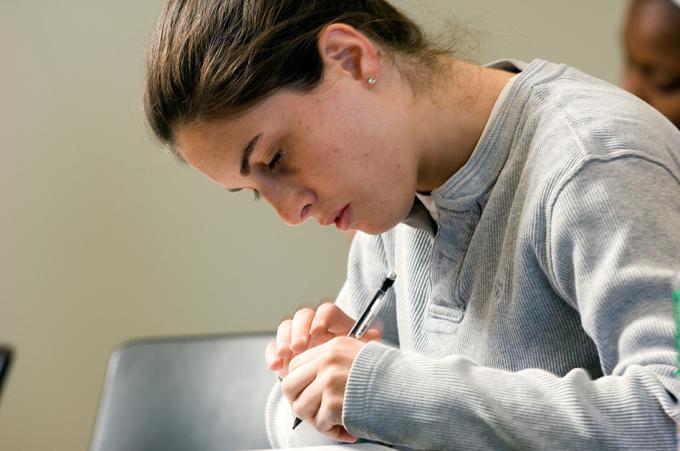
(103,238)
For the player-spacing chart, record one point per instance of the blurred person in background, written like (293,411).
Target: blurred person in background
(651,43)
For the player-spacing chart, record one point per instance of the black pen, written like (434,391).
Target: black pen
(361,325)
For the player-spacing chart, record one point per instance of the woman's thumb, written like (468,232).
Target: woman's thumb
(370,335)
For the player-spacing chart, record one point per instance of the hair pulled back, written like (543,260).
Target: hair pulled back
(213,58)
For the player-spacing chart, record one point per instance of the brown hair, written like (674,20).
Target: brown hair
(213,58)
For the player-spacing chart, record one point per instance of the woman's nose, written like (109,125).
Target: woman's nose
(293,205)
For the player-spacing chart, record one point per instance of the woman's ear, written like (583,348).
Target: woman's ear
(345,51)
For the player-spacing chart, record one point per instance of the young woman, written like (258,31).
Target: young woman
(530,212)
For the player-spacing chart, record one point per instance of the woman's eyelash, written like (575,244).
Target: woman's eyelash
(271,166)
(274,163)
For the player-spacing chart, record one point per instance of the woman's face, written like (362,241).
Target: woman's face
(652,49)
(338,154)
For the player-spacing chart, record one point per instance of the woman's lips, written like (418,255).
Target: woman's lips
(342,221)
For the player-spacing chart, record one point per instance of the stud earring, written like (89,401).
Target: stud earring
(371,80)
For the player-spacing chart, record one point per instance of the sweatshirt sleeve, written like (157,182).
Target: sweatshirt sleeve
(613,238)
(366,268)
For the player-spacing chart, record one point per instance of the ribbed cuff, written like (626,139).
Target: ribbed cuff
(361,392)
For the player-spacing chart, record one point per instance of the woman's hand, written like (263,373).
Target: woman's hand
(316,382)
(308,329)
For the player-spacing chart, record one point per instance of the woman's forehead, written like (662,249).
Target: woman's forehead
(211,146)
(278,114)
(216,147)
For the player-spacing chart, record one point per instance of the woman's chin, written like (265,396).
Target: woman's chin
(376,228)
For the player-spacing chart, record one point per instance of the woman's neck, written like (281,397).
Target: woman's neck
(449,120)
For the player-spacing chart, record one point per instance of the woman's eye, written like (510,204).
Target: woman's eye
(274,163)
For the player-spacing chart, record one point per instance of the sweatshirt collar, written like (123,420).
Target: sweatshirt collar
(469,184)
(462,190)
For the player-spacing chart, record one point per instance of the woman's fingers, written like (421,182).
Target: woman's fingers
(331,319)
(370,335)
(283,350)
(340,433)
(273,360)
(300,330)
(309,329)
(302,390)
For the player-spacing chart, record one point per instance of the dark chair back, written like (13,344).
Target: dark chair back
(188,393)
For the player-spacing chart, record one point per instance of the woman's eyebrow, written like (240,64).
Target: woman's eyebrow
(245,155)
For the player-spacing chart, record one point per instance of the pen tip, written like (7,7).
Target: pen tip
(392,276)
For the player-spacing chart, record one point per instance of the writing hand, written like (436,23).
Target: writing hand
(308,329)
(316,382)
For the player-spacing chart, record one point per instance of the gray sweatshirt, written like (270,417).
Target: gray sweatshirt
(535,313)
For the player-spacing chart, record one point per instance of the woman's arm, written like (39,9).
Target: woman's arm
(367,266)
(614,237)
